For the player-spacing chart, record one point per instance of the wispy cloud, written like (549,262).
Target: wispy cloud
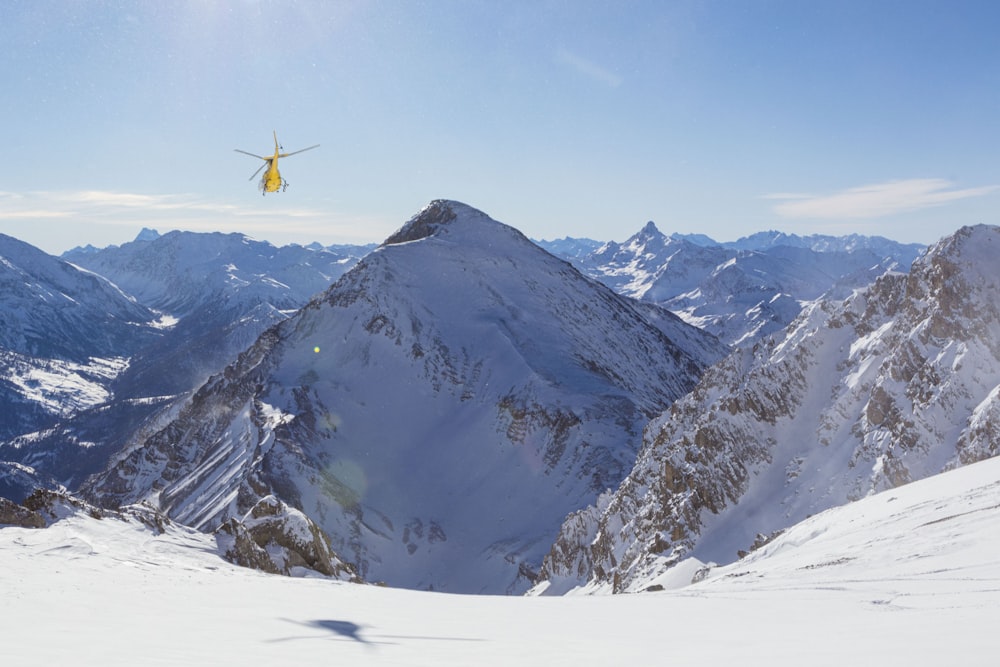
(877,200)
(187,212)
(588,68)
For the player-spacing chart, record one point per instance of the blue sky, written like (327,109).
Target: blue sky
(561,117)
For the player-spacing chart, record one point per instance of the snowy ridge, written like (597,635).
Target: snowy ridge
(896,383)
(443,406)
(825,243)
(220,291)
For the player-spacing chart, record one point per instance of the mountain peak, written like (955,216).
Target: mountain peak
(973,243)
(437,215)
(147,234)
(649,239)
(956,280)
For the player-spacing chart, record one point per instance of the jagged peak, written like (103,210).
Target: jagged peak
(955,268)
(971,250)
(974,240)
(648,232)
(147,234)
(650,229)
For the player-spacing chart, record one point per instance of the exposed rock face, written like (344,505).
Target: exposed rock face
(896,383)
(276,538)
(12,514)
(272,537)
(430,220)
(437,412)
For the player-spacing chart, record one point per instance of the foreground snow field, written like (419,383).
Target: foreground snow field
(907,577)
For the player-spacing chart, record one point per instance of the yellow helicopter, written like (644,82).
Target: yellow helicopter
(272,180)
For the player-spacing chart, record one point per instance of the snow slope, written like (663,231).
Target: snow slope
(906,577)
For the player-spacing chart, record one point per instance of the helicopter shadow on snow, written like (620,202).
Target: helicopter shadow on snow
(350,631)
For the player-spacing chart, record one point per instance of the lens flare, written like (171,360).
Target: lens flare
(346,482)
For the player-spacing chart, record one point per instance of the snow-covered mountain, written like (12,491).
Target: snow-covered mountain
(746,289)
(437,411)
(895,383)
(65,335)
(910,577)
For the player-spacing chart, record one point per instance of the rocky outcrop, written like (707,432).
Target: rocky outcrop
(47,506)
(276,538)
(12,514)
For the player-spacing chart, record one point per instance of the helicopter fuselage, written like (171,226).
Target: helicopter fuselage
(272,181)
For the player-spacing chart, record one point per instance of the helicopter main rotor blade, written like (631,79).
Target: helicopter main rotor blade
(301,151)
(251,154)
(257,172)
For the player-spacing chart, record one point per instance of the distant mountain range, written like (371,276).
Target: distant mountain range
(741,290)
